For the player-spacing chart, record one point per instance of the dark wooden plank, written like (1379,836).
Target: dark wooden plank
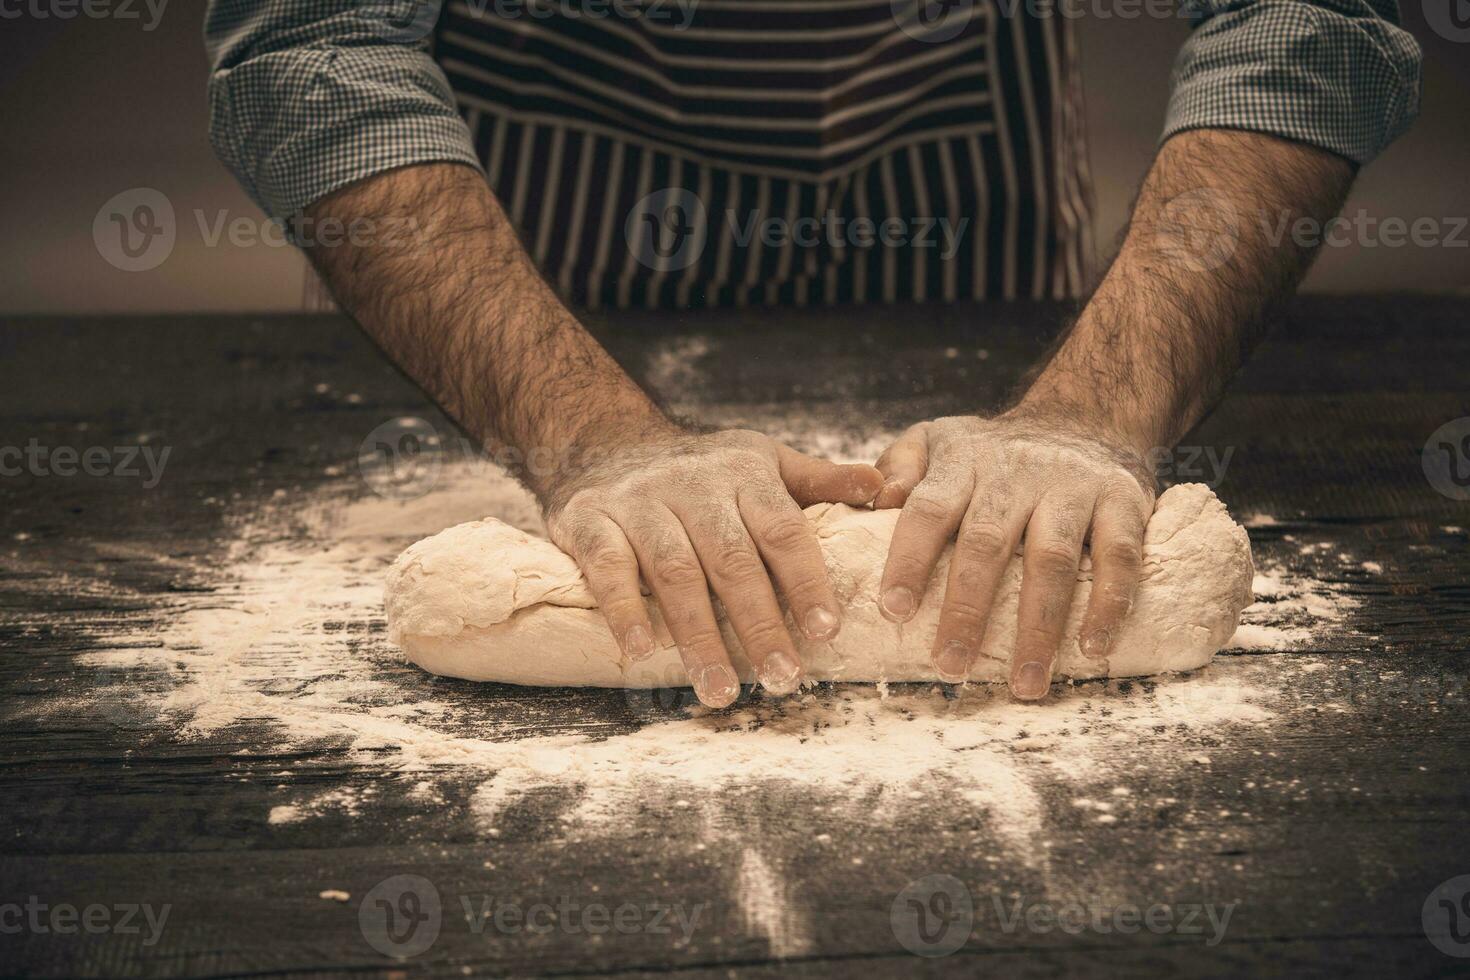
(1329,829)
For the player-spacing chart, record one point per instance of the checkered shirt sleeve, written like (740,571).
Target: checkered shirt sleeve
(1337,74)
(308,96)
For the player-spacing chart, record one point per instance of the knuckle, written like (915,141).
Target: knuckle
(1054,559)
(765,635)
(579,503)
(1122,556)
(738,564)
(602,559)
(802,587)
(702,645)
(1125,489)
(786,532)
(678,572)
(982,541)
(963,613)
(927,509)
(655,536)
(626,610)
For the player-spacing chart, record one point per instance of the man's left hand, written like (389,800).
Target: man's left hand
(994,481)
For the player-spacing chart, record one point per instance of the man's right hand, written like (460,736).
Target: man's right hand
(700,512)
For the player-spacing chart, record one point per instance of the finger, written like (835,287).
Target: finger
(673,573)
(925,525)
(1118,524)
(611,569)
(820,481)
(903,465)
(1053,551)
(987,540)
(786,541)
(739,578)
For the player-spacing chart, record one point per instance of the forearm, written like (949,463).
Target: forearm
(1207,256)
(457,303)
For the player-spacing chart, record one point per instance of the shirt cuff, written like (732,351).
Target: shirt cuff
(296,125)
(1337,74)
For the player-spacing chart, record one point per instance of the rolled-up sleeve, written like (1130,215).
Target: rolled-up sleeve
(1338,74)
(308,96)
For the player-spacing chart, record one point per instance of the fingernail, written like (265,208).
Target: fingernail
(897,604)
(953,662)
(780,674)
(1031,681)
(716,686)
(1096,643)
(637,643)
(820,623)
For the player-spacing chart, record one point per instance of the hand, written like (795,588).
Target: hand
(993,480)
(699,511)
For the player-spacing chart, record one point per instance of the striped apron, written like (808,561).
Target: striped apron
(698,153)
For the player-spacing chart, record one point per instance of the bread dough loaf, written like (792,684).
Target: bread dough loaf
(486,602)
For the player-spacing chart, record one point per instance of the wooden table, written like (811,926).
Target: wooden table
(1359,807)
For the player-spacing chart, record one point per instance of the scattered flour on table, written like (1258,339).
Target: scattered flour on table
(766,903)
(1292,608)
(290,642)
(289,646)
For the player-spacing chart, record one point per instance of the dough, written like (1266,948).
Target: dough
(486,602)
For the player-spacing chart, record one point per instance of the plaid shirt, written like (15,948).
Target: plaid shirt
(308,96)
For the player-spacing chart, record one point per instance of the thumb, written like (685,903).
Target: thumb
(903,465)
(819,481)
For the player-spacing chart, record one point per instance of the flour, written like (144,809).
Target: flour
(1292,608)
(762,897)
(289,645)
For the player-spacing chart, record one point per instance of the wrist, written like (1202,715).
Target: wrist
(1118,428)
(557,469)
